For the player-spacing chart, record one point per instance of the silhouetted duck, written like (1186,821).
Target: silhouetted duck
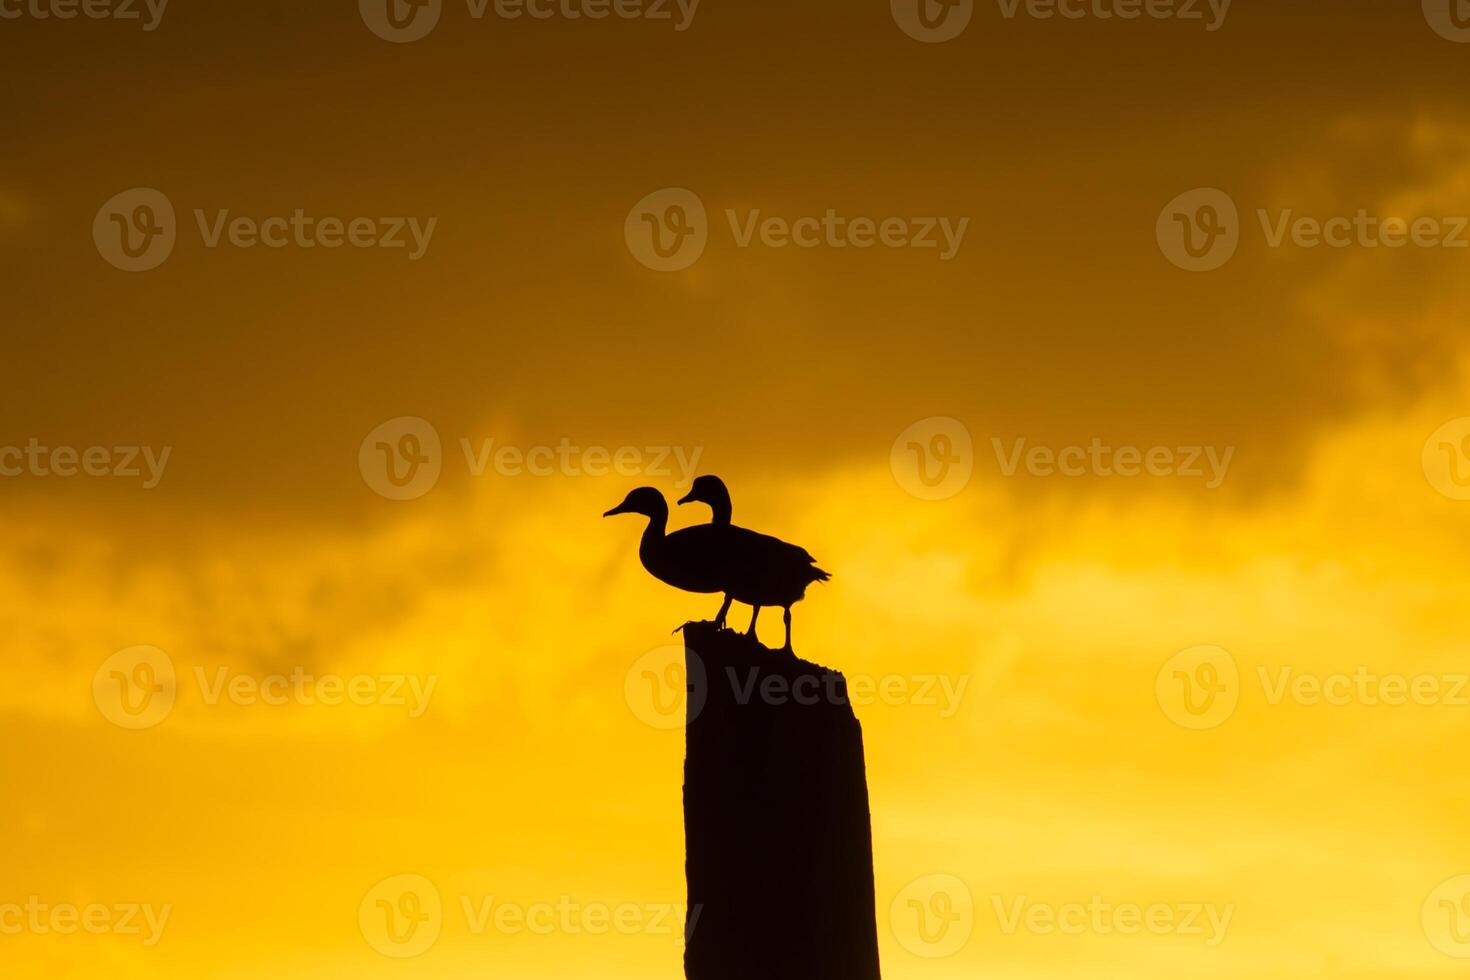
(763,571)
(689,559)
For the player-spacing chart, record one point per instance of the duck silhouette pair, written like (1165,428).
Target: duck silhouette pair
(745,565)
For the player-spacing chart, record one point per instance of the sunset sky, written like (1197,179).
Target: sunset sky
(1298,416)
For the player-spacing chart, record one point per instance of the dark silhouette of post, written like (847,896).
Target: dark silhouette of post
(779,837)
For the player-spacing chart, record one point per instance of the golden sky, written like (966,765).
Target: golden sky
(493,745)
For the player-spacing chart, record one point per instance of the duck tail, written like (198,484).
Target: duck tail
(820,575)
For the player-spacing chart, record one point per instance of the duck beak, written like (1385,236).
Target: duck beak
(616,510)
(687,497)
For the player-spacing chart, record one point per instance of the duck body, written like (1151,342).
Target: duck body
(755,568)
(758,569)
(687,559)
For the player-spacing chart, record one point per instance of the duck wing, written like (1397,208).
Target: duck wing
(767,569)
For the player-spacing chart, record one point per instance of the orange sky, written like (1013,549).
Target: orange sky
(490,621)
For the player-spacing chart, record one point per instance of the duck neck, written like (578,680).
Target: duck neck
(658,525)
(720,504)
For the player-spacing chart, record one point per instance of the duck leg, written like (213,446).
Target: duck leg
(755,611)
(720,619)
(787,647)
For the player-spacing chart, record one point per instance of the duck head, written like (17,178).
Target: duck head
(645,500)
(710,490)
